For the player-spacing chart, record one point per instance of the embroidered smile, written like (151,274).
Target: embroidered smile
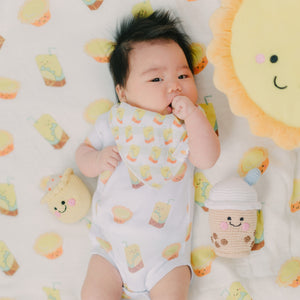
(63,203)
(278,86)
(230,219)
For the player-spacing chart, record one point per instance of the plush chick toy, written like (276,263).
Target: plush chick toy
(233,209)
(67,196)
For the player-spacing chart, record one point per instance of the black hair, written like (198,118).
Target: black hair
(160,25)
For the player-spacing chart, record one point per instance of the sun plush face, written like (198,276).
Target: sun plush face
(256,54)
(265,50)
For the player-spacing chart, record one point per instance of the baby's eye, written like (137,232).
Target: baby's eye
(183,76)
(157,79)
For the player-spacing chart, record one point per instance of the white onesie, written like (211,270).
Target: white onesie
(143,211)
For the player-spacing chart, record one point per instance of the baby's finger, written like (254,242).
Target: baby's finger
(180,99)
(109,167)
(115,149)
(113,162)
(116,156)
(175,102)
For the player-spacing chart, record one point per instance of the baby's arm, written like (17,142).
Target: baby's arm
(203,142)
(92,162)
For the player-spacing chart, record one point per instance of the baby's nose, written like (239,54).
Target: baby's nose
(174,86)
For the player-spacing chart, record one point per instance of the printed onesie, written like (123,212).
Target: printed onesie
(142,222)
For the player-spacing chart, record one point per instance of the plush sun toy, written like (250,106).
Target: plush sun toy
(256,54)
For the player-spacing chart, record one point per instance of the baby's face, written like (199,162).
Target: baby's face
(158,72)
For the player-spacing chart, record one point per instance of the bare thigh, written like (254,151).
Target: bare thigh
(102,281)
(174,286)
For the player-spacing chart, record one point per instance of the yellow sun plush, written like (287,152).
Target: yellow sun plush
(255,51)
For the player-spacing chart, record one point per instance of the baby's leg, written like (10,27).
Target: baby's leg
(173,286)
(102,282)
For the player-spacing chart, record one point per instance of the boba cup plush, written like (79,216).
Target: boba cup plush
(233,209)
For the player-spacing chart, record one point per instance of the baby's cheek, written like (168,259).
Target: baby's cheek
(245,227)
(224,226)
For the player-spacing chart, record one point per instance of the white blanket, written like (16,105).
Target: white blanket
(50,71)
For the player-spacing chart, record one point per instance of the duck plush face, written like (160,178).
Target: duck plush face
(67,197)
(256,56)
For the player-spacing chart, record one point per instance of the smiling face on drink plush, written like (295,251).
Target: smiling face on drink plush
(259,67)
(233,231)
(236,220)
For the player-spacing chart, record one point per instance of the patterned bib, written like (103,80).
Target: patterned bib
(153,146)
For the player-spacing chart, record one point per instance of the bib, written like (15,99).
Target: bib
(154,147)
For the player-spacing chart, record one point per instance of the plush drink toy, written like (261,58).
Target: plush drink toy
(67,196)
(233,209)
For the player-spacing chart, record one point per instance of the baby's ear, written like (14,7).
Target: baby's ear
(121,93)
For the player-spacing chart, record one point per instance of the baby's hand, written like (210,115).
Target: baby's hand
(182,107)
(109,159)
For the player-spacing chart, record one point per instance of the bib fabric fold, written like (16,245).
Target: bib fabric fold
(153,146)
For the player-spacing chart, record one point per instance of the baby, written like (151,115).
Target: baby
(142,220)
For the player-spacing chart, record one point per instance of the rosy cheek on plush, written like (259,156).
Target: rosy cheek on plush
(260,58)
(72,202)
(57,214)
(245,227)
(224,226)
